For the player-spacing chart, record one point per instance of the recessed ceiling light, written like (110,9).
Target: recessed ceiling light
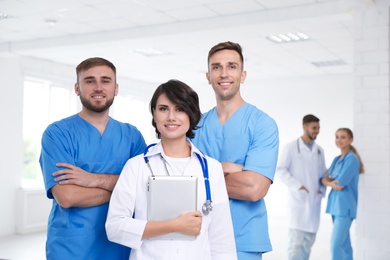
(3,15)
(151,52)
(51,22)
(329,63)
(288,37)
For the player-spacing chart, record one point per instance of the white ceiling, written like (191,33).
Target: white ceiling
(185,30)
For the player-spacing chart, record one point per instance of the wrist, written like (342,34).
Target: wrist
(98,181)
(172,225)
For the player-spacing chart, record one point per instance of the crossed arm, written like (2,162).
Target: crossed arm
(326,181)
(244,185)
(79,188)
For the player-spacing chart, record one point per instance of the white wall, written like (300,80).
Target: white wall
(11,156)
(372,124)
(288,100)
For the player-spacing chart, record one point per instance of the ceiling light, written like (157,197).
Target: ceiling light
(3,15)
(303,36)
(329,63)
(288,37)
(51,22)
(151,52)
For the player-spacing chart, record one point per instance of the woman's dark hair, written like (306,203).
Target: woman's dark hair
(182,96)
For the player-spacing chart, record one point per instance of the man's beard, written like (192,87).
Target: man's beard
(312,137)
(98,109)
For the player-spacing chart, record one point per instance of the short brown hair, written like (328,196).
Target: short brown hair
(310,118)
(226,46)
(93,62)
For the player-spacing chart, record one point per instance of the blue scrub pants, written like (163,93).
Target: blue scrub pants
(249,255)
(340,242)
(300,244)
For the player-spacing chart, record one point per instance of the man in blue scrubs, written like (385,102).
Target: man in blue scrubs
(81,159)
(246,141)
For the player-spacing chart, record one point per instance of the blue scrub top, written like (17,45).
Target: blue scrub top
(79,233)
(346,171)
(250,138)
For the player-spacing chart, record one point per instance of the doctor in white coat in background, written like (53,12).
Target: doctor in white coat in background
(300,167)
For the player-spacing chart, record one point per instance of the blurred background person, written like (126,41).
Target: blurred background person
(343,178)
(300,167)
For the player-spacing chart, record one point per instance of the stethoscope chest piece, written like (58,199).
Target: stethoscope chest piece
(206,208)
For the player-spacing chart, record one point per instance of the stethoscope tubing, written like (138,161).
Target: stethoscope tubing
(205,169)
(299,149)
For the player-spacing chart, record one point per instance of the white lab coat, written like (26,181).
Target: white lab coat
(216,240)
(299,166)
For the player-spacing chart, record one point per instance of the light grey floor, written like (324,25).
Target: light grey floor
(279,238)
(23,247)
(32,246)
(276,201)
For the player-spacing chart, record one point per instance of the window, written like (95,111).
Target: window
(136,112)
(43,103)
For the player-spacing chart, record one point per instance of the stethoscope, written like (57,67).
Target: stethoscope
(207,207)
(299,149)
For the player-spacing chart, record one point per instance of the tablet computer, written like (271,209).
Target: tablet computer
(170,196)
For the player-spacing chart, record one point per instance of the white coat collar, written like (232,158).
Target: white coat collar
(158,150)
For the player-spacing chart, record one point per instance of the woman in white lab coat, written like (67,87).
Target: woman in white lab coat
(176,113)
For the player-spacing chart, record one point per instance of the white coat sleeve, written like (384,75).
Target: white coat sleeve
(221,233)
(283,170)
(121,227)
(322,171)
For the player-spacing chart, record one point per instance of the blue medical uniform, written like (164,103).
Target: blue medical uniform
(342,205)
(250,138)
(79,233)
